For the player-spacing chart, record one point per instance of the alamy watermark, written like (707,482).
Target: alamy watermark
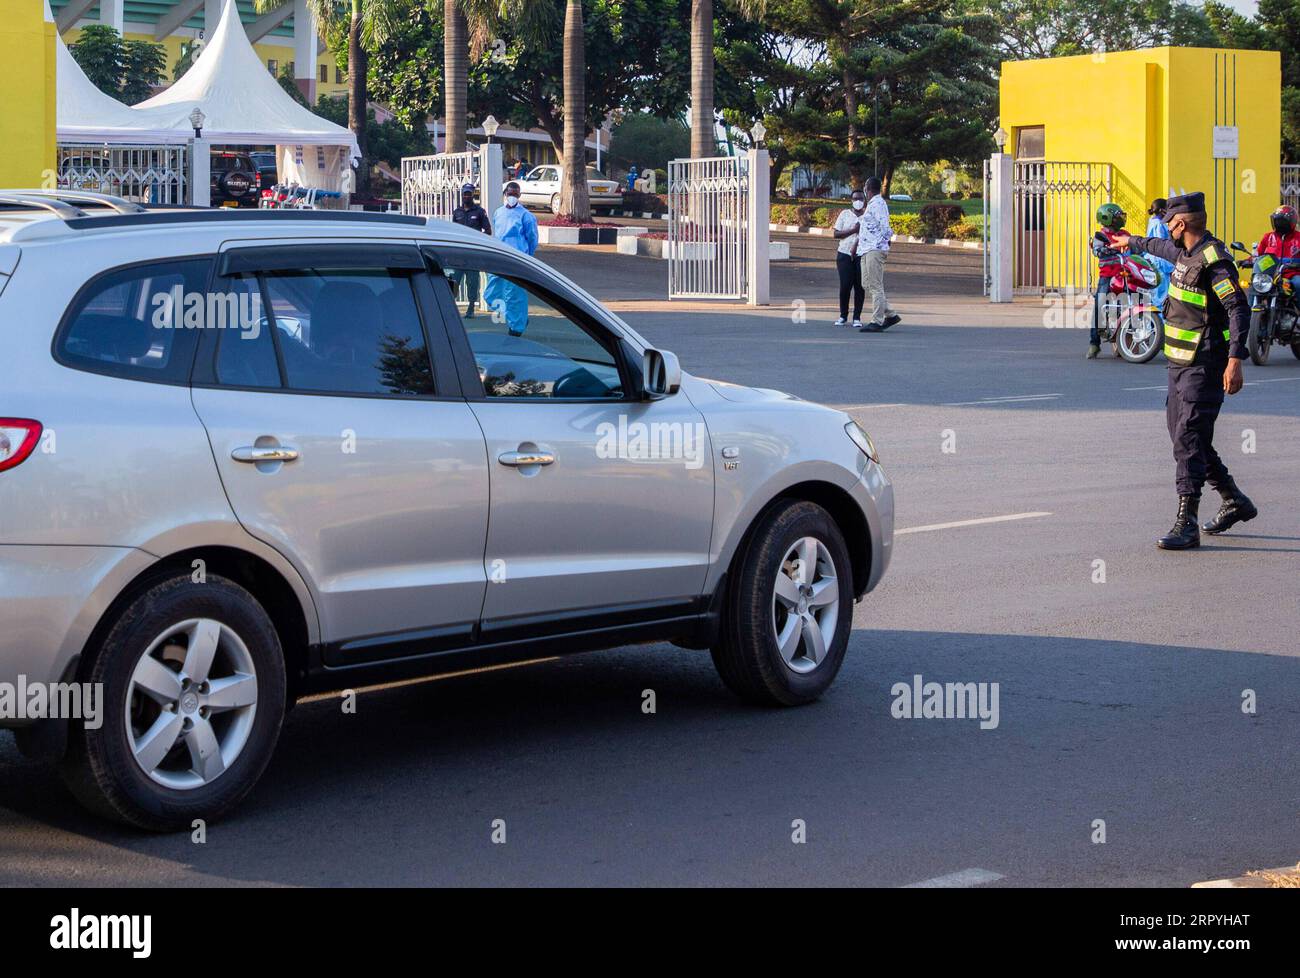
(53,701)
(921,700)
(658,441)
(178,309)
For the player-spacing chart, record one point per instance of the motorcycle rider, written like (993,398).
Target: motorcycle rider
(1111,217)
(1283,241)
(1207,319)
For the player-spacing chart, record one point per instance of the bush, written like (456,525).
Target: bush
(908,225)
(965,231)
(935,219)
(805,215)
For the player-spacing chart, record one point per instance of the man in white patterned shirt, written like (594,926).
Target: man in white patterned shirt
(873,246)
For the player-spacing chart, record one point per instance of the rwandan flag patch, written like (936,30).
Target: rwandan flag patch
(1223,289)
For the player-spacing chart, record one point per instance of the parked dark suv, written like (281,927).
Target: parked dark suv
(235,180)
(266,167)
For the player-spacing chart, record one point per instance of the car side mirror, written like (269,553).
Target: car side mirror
(661,374)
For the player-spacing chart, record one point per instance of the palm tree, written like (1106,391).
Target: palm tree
(702,132)
(574,202)
(534,21)
(455,55)
(370,22)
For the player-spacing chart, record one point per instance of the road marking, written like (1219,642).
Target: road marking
(956,881)
(979,522)
(867,407)
(1162,387)
(1003,400)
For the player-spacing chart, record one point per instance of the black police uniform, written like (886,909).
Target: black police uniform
(474,217)
(1207,318)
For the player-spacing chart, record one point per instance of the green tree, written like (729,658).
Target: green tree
(389,141)
(1053,28)
(144,64)
(648,141)
(368,23)
(126,70)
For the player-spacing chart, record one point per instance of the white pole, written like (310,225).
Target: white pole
(1002,238)
(200,188)
(758,273)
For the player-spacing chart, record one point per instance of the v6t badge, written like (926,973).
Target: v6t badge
(731,458)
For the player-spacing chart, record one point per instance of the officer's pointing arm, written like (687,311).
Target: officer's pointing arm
(1160,247)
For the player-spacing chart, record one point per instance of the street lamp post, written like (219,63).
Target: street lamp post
(196,120)
(490,127)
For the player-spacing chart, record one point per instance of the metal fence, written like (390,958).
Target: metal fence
(1291,184)
(431,184)
(707,246)
(1053,216)
(147,174)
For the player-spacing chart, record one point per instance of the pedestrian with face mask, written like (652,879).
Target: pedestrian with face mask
(513,225)
(847,261)
(471,215)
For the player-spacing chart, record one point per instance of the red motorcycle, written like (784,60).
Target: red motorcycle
(1130,321)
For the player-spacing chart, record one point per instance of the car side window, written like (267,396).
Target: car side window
(138,322)
(331,331)
(525,343)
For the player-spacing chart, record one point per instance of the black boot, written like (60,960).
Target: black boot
(1236,508)
(1185,533)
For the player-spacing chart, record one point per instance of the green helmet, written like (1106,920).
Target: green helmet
(1111,216)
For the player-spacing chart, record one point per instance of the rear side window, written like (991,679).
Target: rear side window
(140,322)
(331,331)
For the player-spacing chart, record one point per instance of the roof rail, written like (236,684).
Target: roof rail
(77,196)
(220,215)
(56,207)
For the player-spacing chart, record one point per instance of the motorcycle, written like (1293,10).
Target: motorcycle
(1274,307)
(1135,327)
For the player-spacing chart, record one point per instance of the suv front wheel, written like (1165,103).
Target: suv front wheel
(192,694)
(789,609)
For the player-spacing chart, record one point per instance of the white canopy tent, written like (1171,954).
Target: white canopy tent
(242,104)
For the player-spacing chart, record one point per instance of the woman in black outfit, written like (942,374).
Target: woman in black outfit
(846,260)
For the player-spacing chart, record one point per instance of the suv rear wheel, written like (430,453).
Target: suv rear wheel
(789,609)
(193,694)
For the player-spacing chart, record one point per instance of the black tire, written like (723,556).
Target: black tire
(746,653)
(1126,328)
(555,203)
(99,767)
(1295,348)
(1257,343)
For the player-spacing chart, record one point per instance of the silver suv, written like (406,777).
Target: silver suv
(246,457)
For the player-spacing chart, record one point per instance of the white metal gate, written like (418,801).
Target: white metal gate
(707,246)
(147,174)
(431,184)
(1291,184)
(1054,207)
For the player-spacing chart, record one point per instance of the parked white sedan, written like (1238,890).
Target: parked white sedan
(541,188)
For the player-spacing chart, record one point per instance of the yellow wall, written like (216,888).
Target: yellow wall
(1150,113)
(27,113)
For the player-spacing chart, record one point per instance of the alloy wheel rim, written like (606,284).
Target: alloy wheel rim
(190,704)
(805,605)
(1139,339)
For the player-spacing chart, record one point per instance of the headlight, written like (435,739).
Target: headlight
(1261,282)
(862,440)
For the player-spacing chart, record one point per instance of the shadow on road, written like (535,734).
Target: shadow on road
(1151,739)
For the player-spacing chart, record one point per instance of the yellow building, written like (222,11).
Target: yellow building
(1153,122)
(27,75)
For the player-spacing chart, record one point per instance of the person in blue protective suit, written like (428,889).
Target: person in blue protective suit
(1156,229)
(513,225)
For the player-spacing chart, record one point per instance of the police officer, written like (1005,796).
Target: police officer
(1207,317)
(471,215)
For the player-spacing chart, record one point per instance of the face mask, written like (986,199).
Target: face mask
(859,204)
(512,201)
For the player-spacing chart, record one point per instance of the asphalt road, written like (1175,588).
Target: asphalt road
(1118,701)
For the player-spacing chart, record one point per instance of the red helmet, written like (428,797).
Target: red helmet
(1283,219)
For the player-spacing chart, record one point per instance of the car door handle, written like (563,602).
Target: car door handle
(526,458)
(280,453)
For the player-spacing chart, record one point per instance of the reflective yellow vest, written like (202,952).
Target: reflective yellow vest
(1187,311)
